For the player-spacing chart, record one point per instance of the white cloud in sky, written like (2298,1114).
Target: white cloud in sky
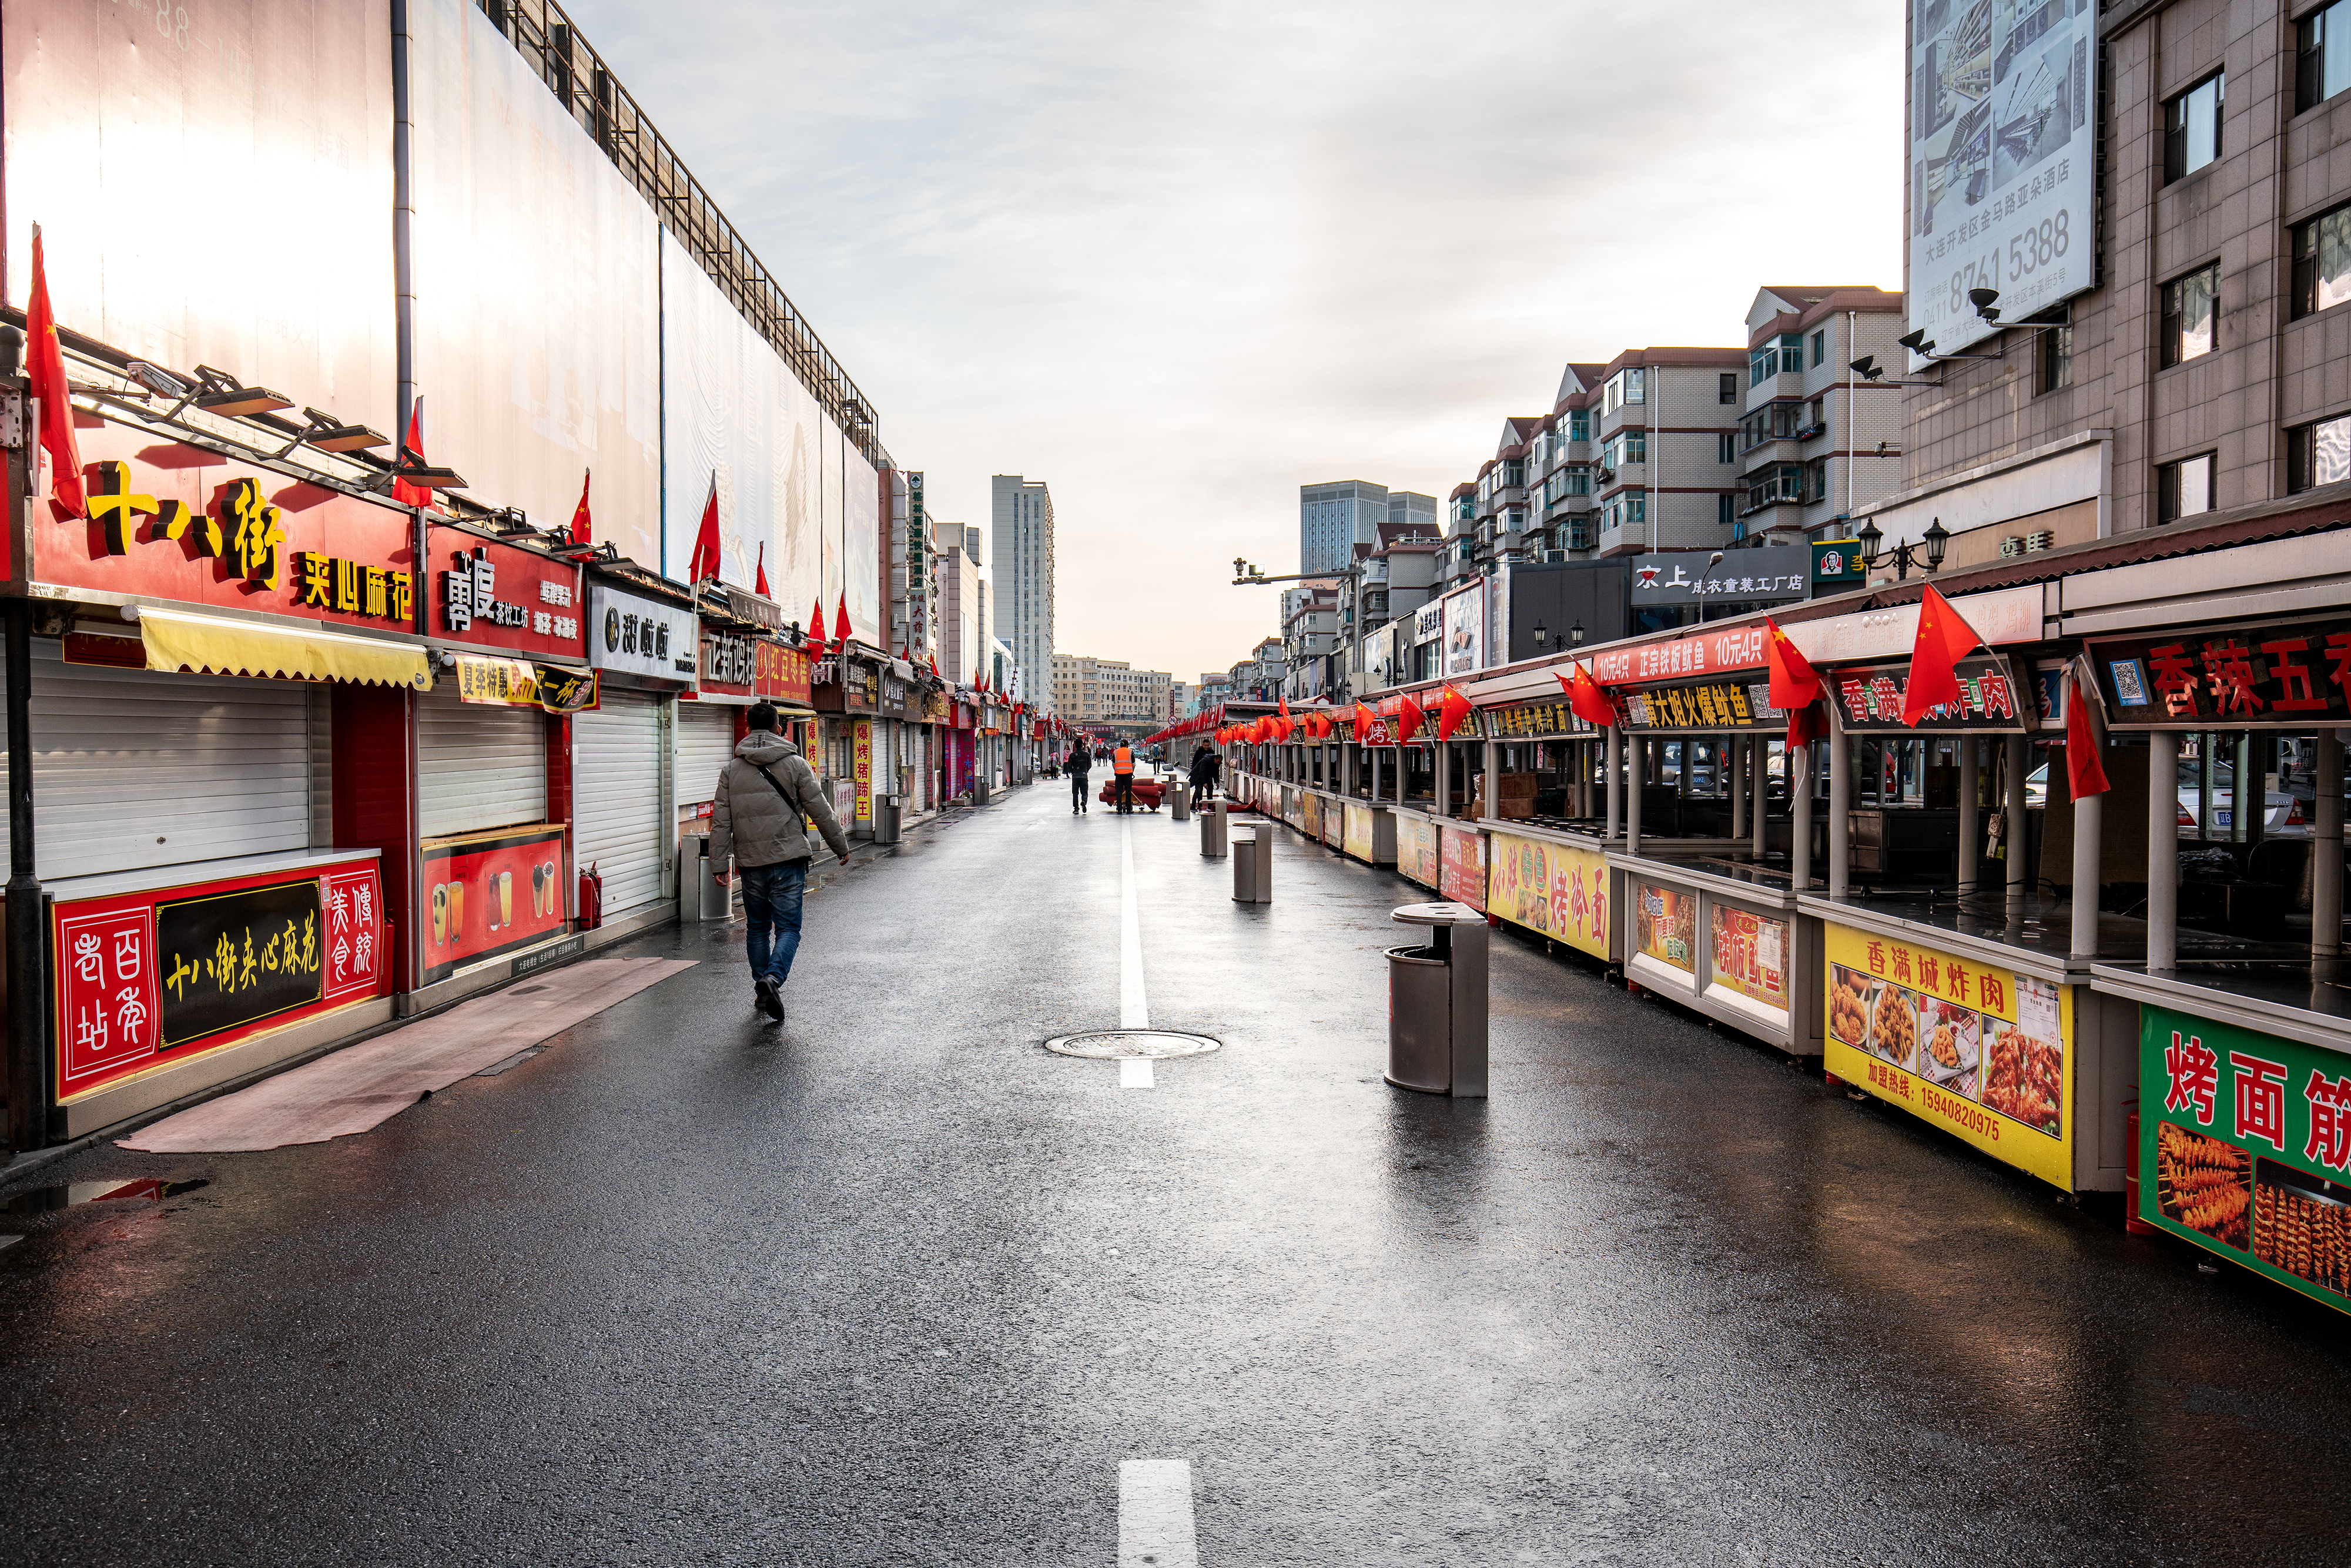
(1177,261)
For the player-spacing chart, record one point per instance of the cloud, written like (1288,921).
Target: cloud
(1176,261)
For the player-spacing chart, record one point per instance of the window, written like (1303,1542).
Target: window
(2322,56)
(1816,414)
(1513,474)
(2191,311)
(1727,448)
(2183,488)
(1772,485)
(2052,359)
(1729,389)
(1772,422)
(1625,446)
(2191,128)
(1820,347)
(1625,387)
(2321,256)
(2318,454)
(1579,426)
(1816,479)
(1726,506)
(1637,386)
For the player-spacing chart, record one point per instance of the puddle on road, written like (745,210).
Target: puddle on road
(46,1200)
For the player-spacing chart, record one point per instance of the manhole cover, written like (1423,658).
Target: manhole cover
(1105,1044)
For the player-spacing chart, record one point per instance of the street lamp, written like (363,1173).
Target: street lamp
(1542,635)
(1575,635)
(1902,556)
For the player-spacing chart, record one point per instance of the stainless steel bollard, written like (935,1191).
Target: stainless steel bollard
(1436,1003)
(1212,831)
(1253,866)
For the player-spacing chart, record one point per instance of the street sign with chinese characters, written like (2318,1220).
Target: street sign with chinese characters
(730,666)
(489,594)
(1839,563)
(642,637)
(1527,721)
(2291,676)
(2245,1148)
(1868,698)
(780,672)
(1685,579)
(1984,1053)
(1701,707)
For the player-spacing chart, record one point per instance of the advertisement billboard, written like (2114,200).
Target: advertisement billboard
(1465,630)
(213,186)
(2002,153)
(1556,888)
(539,305)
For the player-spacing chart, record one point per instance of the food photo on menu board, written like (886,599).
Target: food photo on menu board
(1666,922)
(1750,954)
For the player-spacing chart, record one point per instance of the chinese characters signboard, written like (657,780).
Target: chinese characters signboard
(1704,706)
(491,893)
(642,637)
(1751,953)
(2245,1148)
(860,765)
(2265,677)
(496,595)
(1556,888)
(1704,653)
(1461,867)
(1870,699)
(238,957)
(1983,1053)
(1526,720)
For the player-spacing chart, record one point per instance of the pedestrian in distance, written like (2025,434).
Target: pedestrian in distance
(767,795)
(1075,764)
(1205,765)
(1121,768)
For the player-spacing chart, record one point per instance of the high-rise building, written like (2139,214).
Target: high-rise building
(1335,517)
(1110,694)
(1023,563)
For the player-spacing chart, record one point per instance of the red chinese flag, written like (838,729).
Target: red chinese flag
(583,527)
(1944,639)
(2083,770)
(1584,695)
(841,621)
(934,668)
(1452,714)
(760,574)
(1795,683)
(704,565)
(1365,719)
(1408,719)
(1284,705)
(1808,723)
(49,379)
(816,630)
(413,451)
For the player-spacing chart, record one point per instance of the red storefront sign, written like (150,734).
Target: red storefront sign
(729,666)
(780,672)
(490,594)
(1740,648)
(1462,866)
(2276,676)
(178,971)
(490,894)
(180,523)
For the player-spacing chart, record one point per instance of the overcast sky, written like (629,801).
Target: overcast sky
(1177,260)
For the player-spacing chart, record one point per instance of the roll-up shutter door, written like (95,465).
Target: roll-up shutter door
(706,739)
(134,770)
(478,764)
(616,760)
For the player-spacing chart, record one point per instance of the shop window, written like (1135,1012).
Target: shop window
(2318,455)
(2052,359)
(2322,258)
(2191,315)
(2184,488)
(2191,128)
(2322,56)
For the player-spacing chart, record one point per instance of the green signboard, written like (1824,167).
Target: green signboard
(2245,1148)
(1838,563)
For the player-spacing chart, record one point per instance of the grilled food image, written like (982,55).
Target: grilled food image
(2025,1079)
(1944,1044)
(1849,1008)
(2307,1237)
(1894,1034)
(2202,1182)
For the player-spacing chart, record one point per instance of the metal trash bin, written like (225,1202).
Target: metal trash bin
(700,896)
(1212,831)
(1253,865)
(1436,1003)
(1179,799)
(889,816)
(979,791)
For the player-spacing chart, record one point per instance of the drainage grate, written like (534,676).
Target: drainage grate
(1108,1043)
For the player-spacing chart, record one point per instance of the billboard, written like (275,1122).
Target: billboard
(213,186)
(1465,629)
(538,306)
(2001,156)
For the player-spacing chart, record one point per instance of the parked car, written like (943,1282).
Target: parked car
(2286,818)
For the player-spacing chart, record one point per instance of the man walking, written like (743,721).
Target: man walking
(1121,768)
(1205,765)
(763,795)
(1075,765)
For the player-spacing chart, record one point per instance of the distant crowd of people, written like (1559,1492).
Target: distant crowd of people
(1079,762)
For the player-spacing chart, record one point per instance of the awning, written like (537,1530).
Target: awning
(209,645)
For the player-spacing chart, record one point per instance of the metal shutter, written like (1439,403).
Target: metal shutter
(706,739)
(616,770)
(134,770)
(478,764)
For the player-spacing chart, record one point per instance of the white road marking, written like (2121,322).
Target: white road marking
(1133,1011)
(1155,1514)
(1135,1072)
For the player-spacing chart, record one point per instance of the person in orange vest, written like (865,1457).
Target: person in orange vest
(1122,770)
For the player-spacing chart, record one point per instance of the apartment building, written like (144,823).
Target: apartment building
(1023,539)
(964,632)
(1398,576)
(1816,440)
(1258,677)
(2207,370)
(1310,641)
(1110,694)
(1336,517)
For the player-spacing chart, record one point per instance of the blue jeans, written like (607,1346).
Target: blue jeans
(772,903)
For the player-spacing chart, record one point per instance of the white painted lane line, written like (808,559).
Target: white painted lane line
(1155,1514)
(1133,1011)
(1135,1072)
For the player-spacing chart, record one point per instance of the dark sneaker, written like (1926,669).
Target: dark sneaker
(770,999)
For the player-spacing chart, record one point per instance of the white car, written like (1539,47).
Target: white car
(2285,814)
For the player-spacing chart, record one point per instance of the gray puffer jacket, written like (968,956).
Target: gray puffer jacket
(749,819)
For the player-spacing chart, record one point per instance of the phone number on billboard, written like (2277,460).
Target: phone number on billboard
(2029,250)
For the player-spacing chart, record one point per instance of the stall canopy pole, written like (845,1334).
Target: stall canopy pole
(2163,850)
(2326,845)
(1970,768)
(1493,760)
(1798,762)
(1636,757)
(1759,770)
(2017,839)
(1840,815)
(1616,781)
(1734,753)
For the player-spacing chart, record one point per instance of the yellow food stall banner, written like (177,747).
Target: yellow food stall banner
(1982,1052)
(1416,850)
(1358,839)
(1556,888)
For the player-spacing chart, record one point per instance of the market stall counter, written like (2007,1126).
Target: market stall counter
(1718,932)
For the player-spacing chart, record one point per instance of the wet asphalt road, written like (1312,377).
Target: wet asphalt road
(893,1285)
